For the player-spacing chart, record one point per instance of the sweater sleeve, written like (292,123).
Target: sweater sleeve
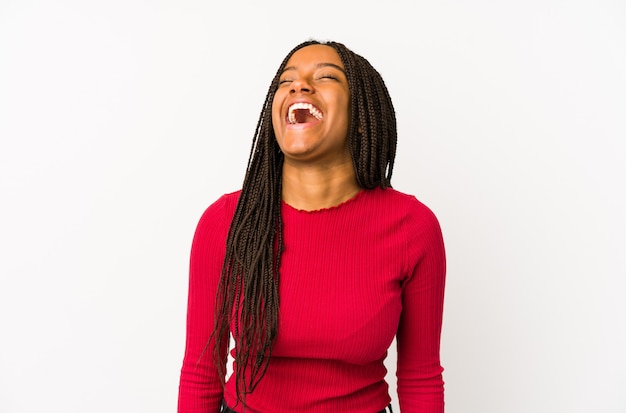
(200,389)
(419,371)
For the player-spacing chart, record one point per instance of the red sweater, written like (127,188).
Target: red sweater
(351,278)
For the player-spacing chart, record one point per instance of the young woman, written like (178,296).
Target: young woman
(317,263)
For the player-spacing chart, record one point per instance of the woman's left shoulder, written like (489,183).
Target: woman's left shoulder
(418,223)
(406,203)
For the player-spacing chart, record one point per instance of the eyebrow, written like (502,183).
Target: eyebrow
(318,66)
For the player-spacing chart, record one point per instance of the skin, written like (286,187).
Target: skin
(318,171)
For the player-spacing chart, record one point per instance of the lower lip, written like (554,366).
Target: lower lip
(301,125)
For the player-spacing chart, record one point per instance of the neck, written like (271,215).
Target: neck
(316,187)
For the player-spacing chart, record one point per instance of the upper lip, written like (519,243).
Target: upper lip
(314,107)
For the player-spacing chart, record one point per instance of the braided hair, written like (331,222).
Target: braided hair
(247,300)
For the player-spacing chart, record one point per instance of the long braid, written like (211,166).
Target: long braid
(247,298)
(373,133)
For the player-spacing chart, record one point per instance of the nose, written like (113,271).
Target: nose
(300,86)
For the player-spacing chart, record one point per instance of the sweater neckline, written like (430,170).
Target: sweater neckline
(322,210)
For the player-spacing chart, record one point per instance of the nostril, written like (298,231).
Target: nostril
(300,86)
(300,89)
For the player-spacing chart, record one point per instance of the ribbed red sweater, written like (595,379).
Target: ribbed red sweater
(351,278)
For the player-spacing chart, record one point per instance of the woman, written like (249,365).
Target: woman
(317,263)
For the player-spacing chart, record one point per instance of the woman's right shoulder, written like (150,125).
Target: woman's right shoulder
(221,210)
(227,201)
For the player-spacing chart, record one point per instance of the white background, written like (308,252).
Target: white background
(121,121)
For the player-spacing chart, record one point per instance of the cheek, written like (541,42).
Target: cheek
(346,104)
(346,116)
(276,116)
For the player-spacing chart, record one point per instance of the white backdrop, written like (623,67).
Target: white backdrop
(121,121)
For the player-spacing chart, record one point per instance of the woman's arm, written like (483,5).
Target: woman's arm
(200,388)
(419,371)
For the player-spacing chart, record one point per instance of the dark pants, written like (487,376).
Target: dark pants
(226,409)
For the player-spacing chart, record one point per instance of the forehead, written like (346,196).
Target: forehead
(314,55)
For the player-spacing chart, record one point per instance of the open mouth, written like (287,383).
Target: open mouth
(303,113)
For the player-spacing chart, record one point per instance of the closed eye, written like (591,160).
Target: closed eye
(328,77)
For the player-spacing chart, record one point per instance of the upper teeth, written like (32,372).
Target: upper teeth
(301,105)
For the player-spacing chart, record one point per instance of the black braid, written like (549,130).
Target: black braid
(248,285)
